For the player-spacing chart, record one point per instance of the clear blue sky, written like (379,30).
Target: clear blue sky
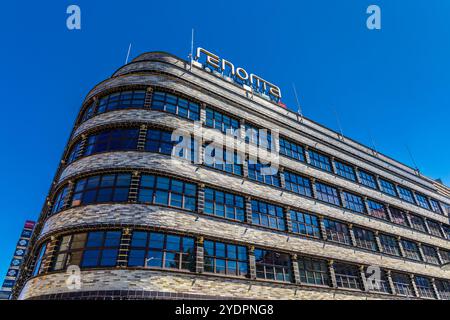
(395,81)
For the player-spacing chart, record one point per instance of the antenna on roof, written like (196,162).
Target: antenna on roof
(374,147)
(299,108)
(128,54)
(338,122)
(191,55)
(412,158)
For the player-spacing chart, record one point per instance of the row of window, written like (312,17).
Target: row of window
(166,191)
(160,141)
(169,251)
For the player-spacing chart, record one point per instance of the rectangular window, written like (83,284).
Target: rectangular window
(168,192)
(159,250)
(445,255)
(258,136)
(435,206)
(430,255)
(313,271)
(305,224)
(377,210)
(291,150)
(405,194)
(112,140)
(345,171)
(220,121)
(160,141)
(380,285)
(337,232)
(389,245)
(223,204)
(319,160)
(74,152)
(422,201)
(402,284)
(88,250)
(387,187)
(263,173)
(424,287)
(38,266)
(446,231)
(368,180)
(173,104)
(225,258)
(443,287)
(228,161)
(60,200)
(272,265)
(399,217)
(347,276)
(411,250)
(297,184)
(417,223)
(268,215)
(327,194)
(435,229)
(102,188)
(121,100)
(88,112)
(365,239)
(354,202)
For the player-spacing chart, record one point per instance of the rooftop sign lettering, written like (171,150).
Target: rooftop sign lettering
(250,82)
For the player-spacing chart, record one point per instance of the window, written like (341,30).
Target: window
(319,161)
(445,255)
(424,287)
(365,239)
(337,232)
(38,265)
(405,194)
(220,121)
(160,141)
(272,265)
(263,173)
(228,161)
(380,285)
(430,255)
(173,104)
(159,250)
(60,200)
(377,210)
(368,180)
(102,188)
(73,153)
(435,206)
(87,250)
(260,137)
(291,150)
(387,187)
(347,276)
(345,171)
(225,258)
(224,204)
(268,215)
(313,271)
(389,245)
(422,201)
(168,192)
(411,250)
(121,100)
(305,224)
(398,216)
(402,284)
(446,231)
(354,202)
(112,140)
(434,228)
(327,194)
(297,184)
(417,223)
(443,287)
(88,112)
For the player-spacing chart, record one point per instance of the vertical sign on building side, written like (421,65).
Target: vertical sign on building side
(16,262)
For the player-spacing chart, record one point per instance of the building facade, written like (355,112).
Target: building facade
(334,220)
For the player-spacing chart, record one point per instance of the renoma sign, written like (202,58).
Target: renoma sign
(249,81)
